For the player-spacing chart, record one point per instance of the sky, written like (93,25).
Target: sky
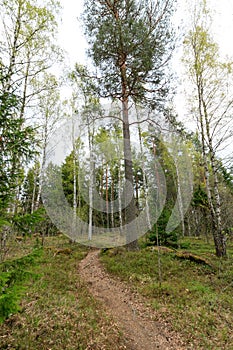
(71,37)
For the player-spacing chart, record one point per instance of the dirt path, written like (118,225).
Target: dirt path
(141,326)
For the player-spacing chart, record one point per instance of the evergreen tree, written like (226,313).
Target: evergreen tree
(16,141)
(130,42)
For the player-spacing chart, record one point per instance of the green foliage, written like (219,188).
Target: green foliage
(9,303)
(134,34)
(30,188)
(212,102)
(161,153)
(68,177)
(4,222)
(108,155)
(26,47)
(13,275)
(200,198)
(16,146)
(227,175)
(169,239)
(28,222)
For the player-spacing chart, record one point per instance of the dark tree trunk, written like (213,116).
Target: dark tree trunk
(130,212)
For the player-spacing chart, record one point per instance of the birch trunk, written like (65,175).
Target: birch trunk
(43,161)
(212,194)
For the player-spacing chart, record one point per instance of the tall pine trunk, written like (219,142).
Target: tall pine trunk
(132,243)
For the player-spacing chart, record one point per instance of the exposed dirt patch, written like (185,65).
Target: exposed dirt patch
(143,328)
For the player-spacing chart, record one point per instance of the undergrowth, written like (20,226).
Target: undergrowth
(56,311)
(13,275)
(195,297)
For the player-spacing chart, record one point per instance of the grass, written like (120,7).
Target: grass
(196,298)
(56,310)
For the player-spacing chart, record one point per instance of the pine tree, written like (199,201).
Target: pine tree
(130,42)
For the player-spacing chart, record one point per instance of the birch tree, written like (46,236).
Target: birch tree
(27,31)
(212,108)
(48,110)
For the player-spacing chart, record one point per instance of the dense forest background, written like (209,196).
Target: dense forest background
(123,128)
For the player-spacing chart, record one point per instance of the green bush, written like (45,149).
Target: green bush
(169,239)
(13,275)
(9,303)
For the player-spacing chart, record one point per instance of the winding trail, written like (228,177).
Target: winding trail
(142,328)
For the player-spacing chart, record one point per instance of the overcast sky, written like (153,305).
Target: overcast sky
(72,40)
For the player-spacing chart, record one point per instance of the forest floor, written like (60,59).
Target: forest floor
(55,310)
(142,327)
(64,296)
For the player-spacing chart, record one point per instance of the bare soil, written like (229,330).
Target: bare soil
(142,327)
